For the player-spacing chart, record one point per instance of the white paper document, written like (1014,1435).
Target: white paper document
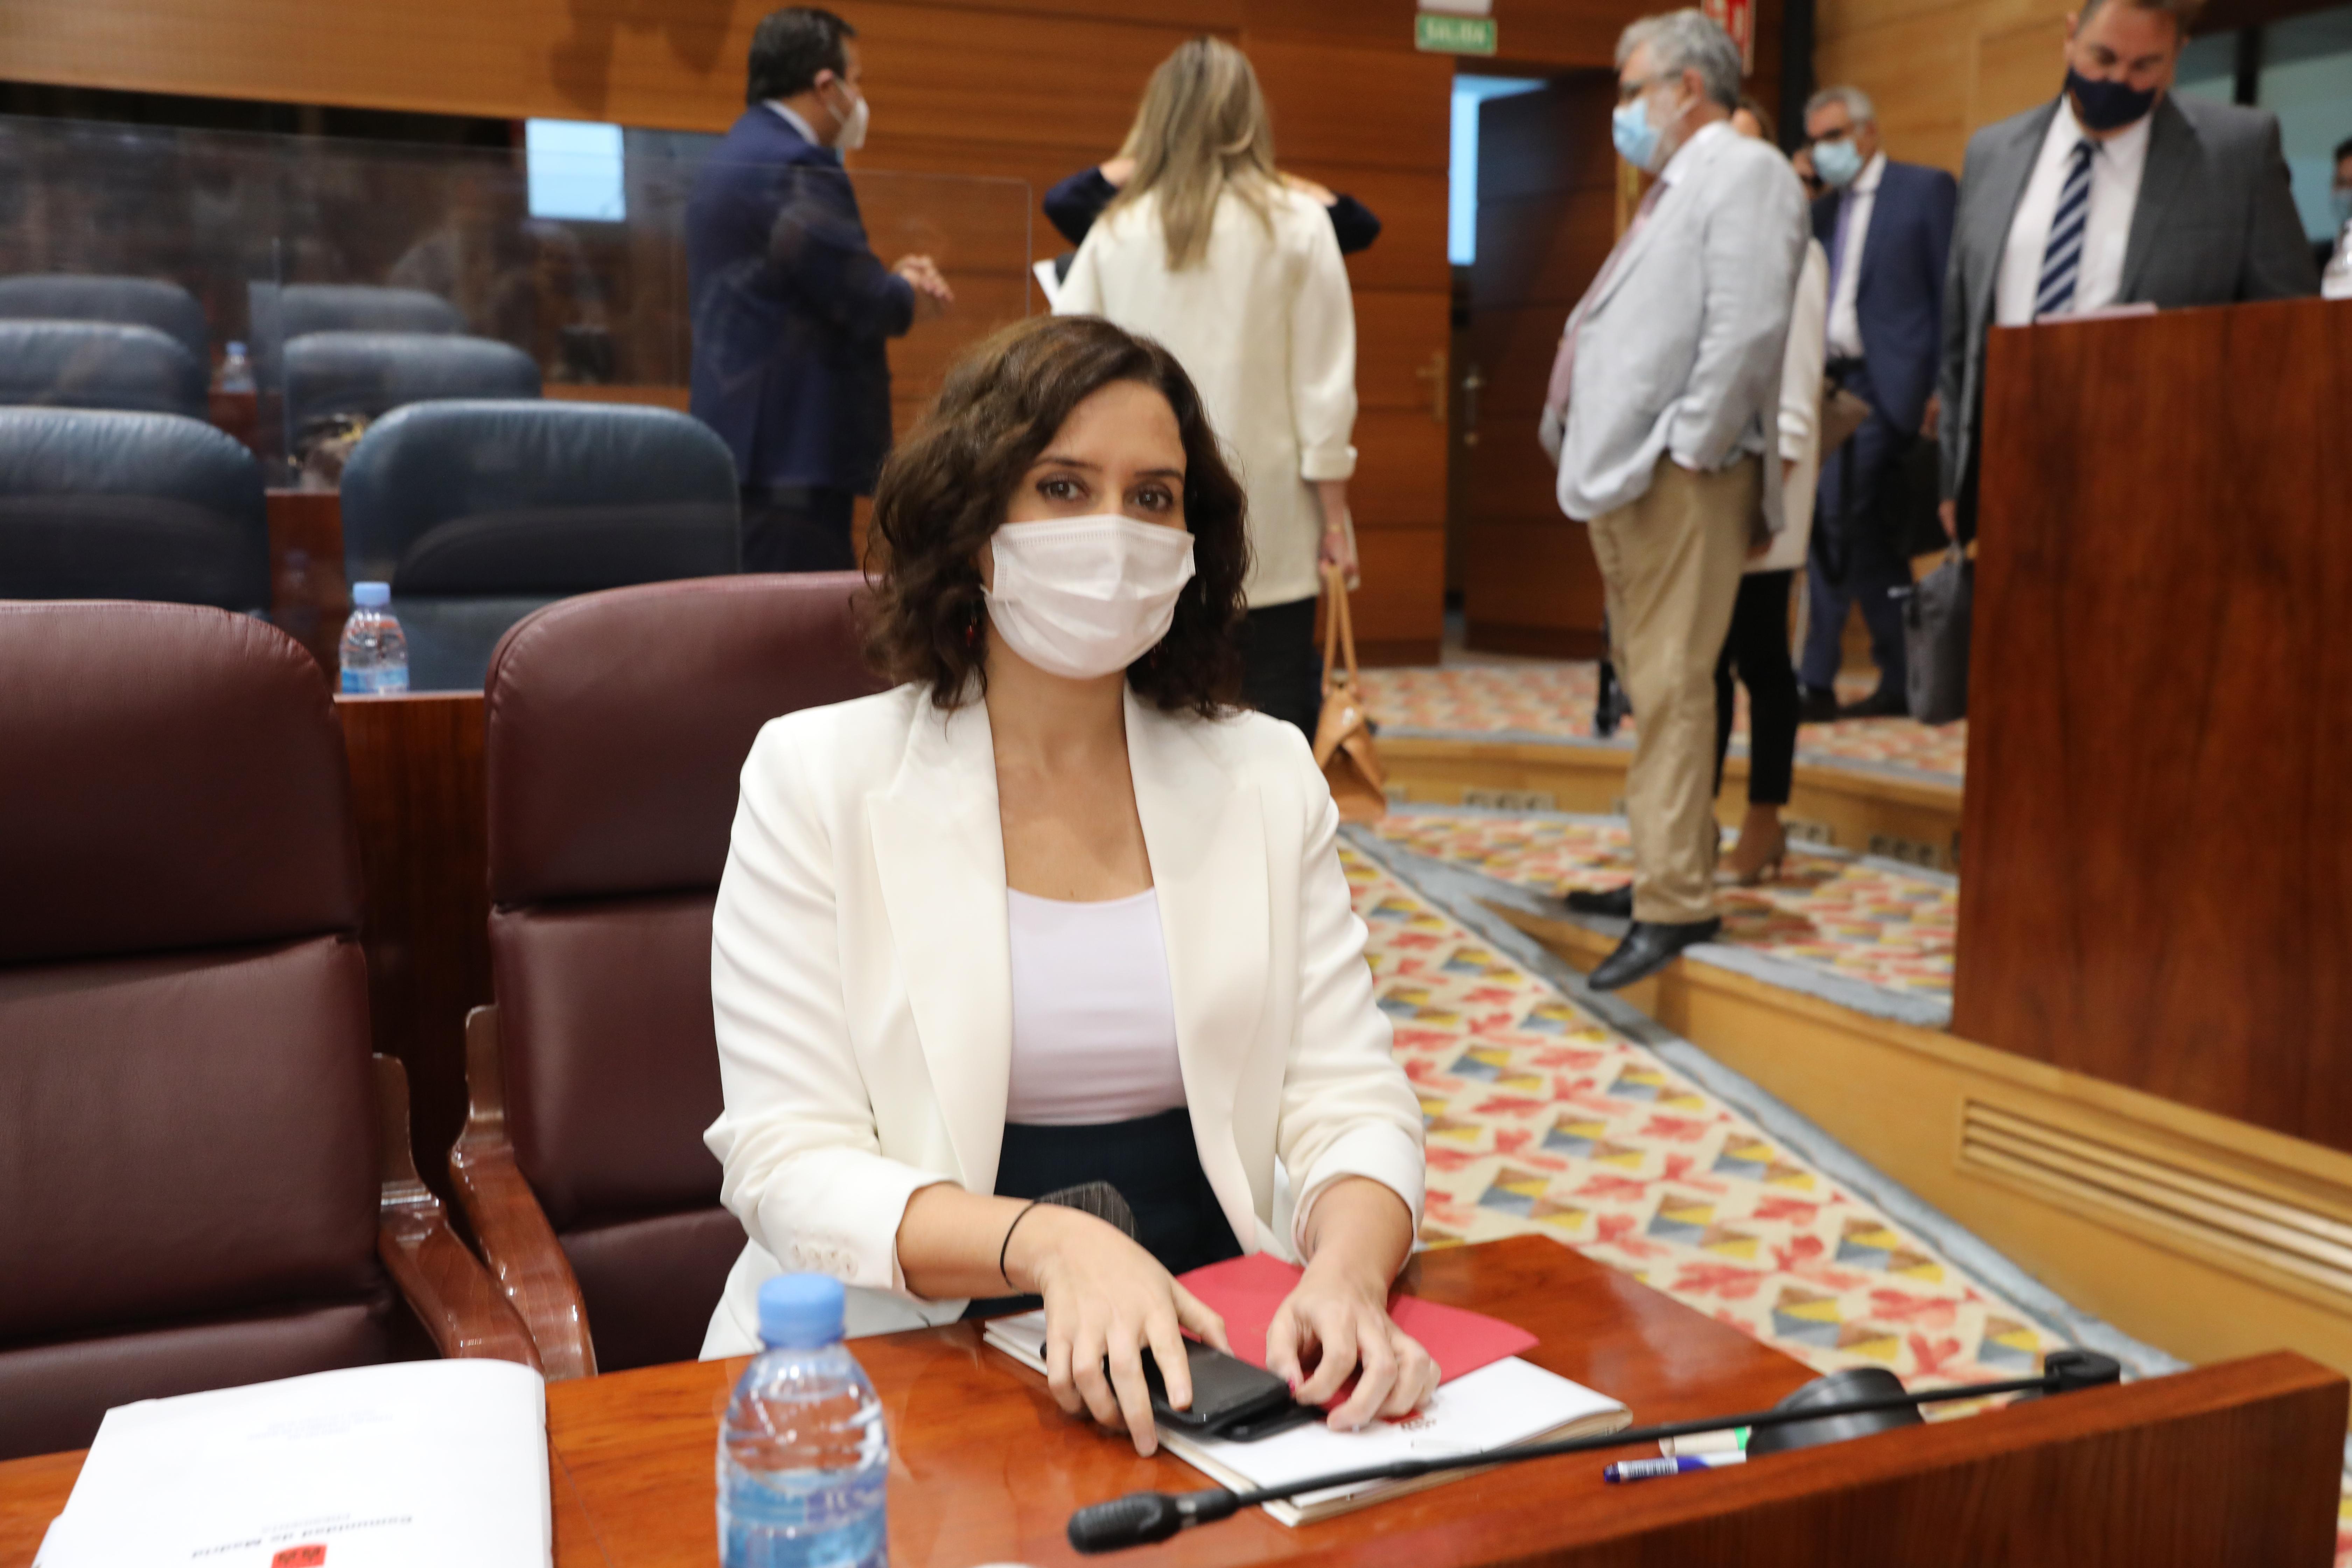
(1507,1402)
(439,1463)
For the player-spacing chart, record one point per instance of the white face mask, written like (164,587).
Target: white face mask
(1083,596)
(852,135)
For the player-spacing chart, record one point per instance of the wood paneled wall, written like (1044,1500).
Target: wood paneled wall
(1939,70)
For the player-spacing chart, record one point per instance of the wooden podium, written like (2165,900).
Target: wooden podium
(2156,852)
(2229,1464)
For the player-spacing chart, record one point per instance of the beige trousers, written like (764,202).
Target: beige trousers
(1672,562)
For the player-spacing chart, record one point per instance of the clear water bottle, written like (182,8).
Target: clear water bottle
(803,1460)
(375,653)
(236,373)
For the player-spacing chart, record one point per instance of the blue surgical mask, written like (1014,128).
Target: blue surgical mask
(2340,199)
(1838,163)
(1637,140)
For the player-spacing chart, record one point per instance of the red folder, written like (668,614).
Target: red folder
(1247,1291)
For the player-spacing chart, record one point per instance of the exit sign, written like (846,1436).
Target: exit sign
(1736,18)
(1442,35)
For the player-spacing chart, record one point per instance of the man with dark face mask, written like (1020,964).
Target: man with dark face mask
(2118,193)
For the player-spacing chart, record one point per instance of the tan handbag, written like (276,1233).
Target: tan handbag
(1843,413)
(1343,736)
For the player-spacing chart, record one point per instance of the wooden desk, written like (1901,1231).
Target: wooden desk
(2234,1464)
(309,599)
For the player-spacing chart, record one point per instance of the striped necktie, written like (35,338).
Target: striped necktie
(2062,260)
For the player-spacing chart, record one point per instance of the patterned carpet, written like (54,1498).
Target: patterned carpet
(1535,701)
(1864,920)
(1543,1118)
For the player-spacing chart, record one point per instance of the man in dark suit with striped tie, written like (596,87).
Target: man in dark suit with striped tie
(2118,192)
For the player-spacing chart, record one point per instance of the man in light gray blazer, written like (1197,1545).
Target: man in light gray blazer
(1663,402)
(2116,192)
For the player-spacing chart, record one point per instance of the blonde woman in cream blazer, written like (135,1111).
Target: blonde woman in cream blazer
(1265,326)
(1209,250)
(1058,790)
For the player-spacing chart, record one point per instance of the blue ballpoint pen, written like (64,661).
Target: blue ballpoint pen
(1644,1470)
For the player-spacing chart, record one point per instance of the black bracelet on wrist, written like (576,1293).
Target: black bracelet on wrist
(1006,1248)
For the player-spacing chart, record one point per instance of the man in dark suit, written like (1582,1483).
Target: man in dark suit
(1886,229)
(2118,192)
(791,308)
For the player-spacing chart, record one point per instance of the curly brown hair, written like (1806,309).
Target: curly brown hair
(948,487)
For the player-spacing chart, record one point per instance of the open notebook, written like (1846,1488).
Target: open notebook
(376,1467)
(1502,1402)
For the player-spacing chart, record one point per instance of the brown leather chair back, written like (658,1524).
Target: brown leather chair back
(188,1186)
(618,726)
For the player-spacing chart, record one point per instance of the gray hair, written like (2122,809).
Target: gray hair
(1858,107)
(1688,40)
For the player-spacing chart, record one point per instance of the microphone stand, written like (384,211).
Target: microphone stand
(1139,1518)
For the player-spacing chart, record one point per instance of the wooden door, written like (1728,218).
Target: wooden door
(1546,218)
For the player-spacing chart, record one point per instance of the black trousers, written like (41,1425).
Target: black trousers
(1282,669)
(798,528)
(1855,559)
(1758,649)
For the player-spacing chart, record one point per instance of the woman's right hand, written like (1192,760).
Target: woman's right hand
(1107,1298)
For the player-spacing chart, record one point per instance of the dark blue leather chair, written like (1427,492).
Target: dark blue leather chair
(130,302)
(304,308)
(99,364)
(371,374)
(283,311)
(129,506)
(478,512)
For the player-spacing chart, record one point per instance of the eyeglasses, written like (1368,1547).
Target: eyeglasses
(1627,92)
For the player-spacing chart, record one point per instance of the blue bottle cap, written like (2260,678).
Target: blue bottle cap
(374,595)
(800,1312)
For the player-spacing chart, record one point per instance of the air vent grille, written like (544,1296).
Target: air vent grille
(2186,1204)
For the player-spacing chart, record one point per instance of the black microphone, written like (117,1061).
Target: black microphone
(1139,1518)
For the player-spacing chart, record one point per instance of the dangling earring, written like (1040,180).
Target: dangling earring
(971,628)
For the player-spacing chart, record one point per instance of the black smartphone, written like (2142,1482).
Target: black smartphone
(1229,1395)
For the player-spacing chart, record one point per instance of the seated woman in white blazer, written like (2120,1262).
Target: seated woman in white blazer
(1051,912)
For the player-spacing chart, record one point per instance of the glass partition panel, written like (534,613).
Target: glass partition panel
(586,265)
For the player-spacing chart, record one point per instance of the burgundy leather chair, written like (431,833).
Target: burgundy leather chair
(618,726)
(203,1182)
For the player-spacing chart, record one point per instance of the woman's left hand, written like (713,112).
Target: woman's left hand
(1343,1314)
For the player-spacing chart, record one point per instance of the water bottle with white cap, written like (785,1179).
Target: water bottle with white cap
(375,650)
(803,1459)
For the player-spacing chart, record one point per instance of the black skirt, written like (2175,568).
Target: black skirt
(1156,1167)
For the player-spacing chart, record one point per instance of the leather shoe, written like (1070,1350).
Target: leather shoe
(1816,706)
(1883,703)
(1649,946)
(1615,902)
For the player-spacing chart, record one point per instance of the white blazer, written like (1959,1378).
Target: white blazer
(1265,327)
(860,975)
(1800,414)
